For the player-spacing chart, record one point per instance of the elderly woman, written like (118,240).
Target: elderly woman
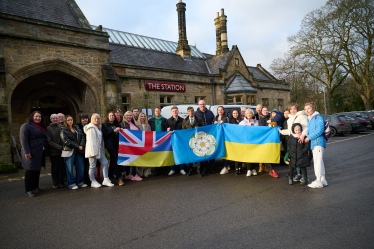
(53,132)
(34,144)
(130,124)
(295,116)
(316,127)
(95,151)
(249,120)
(143,125)
(73,151)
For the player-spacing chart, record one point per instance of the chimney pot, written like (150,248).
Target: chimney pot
(217,14)
(222,12)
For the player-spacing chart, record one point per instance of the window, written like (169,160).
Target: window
(251,100)
(265,102)
(126,101)
(328,118)
(198,98)
(280,105)
(235,100)
(166,100)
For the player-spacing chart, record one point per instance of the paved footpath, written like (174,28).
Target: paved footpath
(215,211)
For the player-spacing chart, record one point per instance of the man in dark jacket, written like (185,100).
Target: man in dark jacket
(159,123)
(207,116)
(175,123)
(192,121)
(53,132)
(258,111)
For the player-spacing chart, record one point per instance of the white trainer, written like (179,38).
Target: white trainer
(224,171)
(254,172)
(95,184)
(315,184)
(172,172)
(249,172)
(73,186)
(107,182)
(324,182)
(183,172)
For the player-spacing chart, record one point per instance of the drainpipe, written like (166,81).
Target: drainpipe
(214,92)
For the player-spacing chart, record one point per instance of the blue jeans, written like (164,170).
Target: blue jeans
(299,172)
(76,159)
(180,166)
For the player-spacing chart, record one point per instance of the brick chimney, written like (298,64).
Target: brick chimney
(223,21)
(217,23)
(183,47)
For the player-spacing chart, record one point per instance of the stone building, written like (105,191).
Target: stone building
(53,60)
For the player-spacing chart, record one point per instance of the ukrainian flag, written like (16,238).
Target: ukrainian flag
(252,144)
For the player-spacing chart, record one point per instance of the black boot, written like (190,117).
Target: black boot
(290,180)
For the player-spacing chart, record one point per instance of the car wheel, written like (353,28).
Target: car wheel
(333,132)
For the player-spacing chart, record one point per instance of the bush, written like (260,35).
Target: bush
(7,168)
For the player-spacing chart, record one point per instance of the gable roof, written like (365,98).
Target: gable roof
(156,59)
(64,12)
(141,41)
(261,74)
(238,84)
(217,62)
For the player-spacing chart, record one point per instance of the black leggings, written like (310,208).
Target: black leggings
(291,171)
(250,166)
(130,168)
(31,180)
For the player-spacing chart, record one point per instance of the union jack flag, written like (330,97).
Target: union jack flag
(134,144)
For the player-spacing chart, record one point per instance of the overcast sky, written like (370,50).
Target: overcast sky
(259,28)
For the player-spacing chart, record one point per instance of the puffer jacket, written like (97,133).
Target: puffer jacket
(316,127)
(206,116)
(93,141)
(68,138)
(225,119)
(299,153)
(247,123)
(301,118)
(278,118)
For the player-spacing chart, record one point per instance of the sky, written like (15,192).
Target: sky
(259,28)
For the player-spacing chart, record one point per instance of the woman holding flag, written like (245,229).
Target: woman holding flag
(130,124)
(143,125)
(264,117)
(249,120)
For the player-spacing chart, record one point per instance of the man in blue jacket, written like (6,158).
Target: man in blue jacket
(207,116)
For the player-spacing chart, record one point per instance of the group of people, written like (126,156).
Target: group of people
(81,145)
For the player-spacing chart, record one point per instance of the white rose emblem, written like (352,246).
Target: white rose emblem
(203,144)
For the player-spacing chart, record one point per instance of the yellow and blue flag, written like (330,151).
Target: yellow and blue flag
(145,148)
(197,145)
(260,144)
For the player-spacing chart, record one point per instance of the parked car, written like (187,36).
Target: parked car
(357,124)
(370,114)
(359,116)
(166,110)
(338,124)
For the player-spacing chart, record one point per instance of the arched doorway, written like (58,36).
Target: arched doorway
(50,92)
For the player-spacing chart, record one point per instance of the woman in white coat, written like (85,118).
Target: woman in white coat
(95,151)
(295,117)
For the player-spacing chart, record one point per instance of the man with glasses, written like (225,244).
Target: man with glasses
(207,116)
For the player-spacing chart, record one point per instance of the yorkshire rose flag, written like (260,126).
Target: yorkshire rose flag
(145,148)
(257,144)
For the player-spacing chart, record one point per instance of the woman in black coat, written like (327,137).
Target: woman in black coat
(33,152)
(73,153)
(299,154)
(110,130)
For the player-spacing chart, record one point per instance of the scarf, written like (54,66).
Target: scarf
(119,120)
(296,135)
(39,126)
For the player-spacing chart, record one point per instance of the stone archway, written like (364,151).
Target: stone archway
(14,78)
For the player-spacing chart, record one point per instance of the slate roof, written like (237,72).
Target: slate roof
(218,62)
(141,41)
(238,84)
(57,11)
(150,58)
(258,74)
